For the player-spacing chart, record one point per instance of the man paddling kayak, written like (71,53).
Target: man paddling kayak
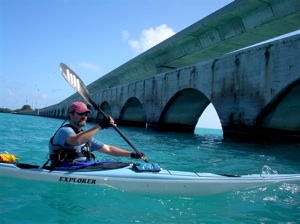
(71,143)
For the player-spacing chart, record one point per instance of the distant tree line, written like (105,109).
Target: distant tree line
(25,108)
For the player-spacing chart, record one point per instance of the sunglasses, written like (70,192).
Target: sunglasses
(81,114)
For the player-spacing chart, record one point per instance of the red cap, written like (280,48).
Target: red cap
(78,107)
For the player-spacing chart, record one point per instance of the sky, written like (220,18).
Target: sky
(93,37)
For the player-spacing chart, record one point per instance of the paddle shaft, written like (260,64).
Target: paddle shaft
(74,80)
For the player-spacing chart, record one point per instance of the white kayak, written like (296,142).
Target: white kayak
(166,182)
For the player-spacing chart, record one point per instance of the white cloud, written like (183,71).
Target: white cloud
(86,65)
(150,37)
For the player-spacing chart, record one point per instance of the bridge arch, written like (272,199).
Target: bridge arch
(286,102)
(105,107)
(183,110)
(63,112)
(132,113)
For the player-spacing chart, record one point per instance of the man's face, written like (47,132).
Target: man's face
(78,119)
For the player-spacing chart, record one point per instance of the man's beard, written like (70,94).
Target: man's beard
(82,123)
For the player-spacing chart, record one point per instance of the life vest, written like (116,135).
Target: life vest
(61,153)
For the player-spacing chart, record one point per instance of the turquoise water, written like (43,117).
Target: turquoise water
(25,201)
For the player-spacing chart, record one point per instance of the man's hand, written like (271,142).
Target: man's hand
(106,123)
(138,156)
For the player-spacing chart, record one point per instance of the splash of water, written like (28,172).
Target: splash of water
(267,170)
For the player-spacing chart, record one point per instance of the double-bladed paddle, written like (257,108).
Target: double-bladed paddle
(80,87)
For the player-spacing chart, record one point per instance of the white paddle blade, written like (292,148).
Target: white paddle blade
(75,82)
(71,77)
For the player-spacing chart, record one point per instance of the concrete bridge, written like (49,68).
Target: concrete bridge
(255,91)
